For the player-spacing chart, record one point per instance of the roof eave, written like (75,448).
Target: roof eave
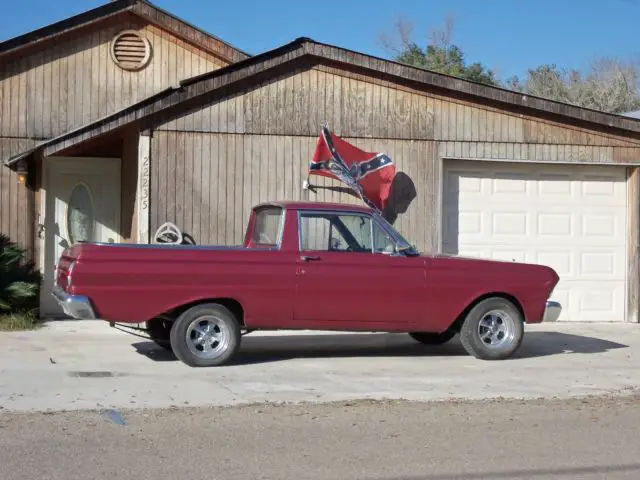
(240,54)
(142,8)
(206,83)
(72,23)
(478,91)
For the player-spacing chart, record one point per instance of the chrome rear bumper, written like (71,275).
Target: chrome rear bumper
(552,311)
(76,306)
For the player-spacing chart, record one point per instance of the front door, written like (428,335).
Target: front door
(345,274)
(82,204)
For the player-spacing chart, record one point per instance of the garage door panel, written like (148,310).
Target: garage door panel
(602,225)
(567,201)
(555,187)
(598,303)
(572,218)
(555,224)
(579,264)
(484,222)
(562,261)
(508,183)
(557,184)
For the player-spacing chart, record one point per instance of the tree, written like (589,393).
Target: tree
(440,55)
(608,85)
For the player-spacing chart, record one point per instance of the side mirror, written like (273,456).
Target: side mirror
(402,250)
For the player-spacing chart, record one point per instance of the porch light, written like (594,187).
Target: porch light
(22,171)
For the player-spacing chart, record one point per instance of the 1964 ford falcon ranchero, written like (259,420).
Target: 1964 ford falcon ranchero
(305,266)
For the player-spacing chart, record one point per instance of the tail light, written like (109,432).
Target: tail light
(70,272)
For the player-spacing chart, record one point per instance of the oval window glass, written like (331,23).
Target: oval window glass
(80,215)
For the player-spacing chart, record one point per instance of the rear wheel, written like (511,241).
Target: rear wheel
(428,338)
(493,329)
(205,335)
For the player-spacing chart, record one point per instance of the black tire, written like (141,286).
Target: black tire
(159,331)
(470,336)
(428,338)
(184,347)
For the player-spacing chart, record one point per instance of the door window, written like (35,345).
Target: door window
(80,220)
(333,232)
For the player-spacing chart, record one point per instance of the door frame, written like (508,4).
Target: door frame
(41,216)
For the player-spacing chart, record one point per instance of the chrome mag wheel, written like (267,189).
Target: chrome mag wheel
(497,329)
(208,337)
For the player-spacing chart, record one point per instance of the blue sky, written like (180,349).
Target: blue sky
(507,35)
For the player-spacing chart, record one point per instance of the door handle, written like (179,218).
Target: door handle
(308,258)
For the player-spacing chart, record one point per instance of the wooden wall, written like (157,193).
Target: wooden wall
(72,82)
(207,182)
(212,165)
(16,200)
(366,107)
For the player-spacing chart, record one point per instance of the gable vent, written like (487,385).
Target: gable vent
(130,50)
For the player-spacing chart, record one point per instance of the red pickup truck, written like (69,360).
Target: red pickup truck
(306,266)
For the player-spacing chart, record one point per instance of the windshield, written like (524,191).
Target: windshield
(403,244)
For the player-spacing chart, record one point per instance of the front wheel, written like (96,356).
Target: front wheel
(493,329)
(205,335)
(428,338)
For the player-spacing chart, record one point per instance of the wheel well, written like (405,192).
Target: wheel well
(234,306)
(457,324)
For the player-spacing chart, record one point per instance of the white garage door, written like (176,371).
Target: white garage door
(572,218)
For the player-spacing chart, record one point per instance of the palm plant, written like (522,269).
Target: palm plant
(19,279)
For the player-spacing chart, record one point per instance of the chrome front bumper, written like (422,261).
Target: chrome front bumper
(76,306)
(552,311)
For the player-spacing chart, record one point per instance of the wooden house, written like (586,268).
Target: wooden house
(202,131)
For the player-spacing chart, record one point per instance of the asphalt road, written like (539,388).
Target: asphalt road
(392,440)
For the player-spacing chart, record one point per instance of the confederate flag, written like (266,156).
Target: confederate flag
(368,174)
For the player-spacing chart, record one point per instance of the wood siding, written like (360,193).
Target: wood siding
(207,183)
(633,244)
(16,200)
(210,166)
(71,83)
(365,107)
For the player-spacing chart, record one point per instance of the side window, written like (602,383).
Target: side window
(266,230)
(331,232)
(360,228)
(315,232)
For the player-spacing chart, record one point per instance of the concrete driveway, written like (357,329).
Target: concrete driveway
(87,365)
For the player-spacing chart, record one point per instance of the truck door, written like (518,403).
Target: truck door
(342,282)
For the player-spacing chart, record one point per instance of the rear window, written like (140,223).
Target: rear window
(266,230)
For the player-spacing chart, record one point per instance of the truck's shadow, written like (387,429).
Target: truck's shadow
(264,349)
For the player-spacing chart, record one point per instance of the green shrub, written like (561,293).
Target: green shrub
(19,280)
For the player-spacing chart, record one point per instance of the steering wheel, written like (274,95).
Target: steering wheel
(169,233)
